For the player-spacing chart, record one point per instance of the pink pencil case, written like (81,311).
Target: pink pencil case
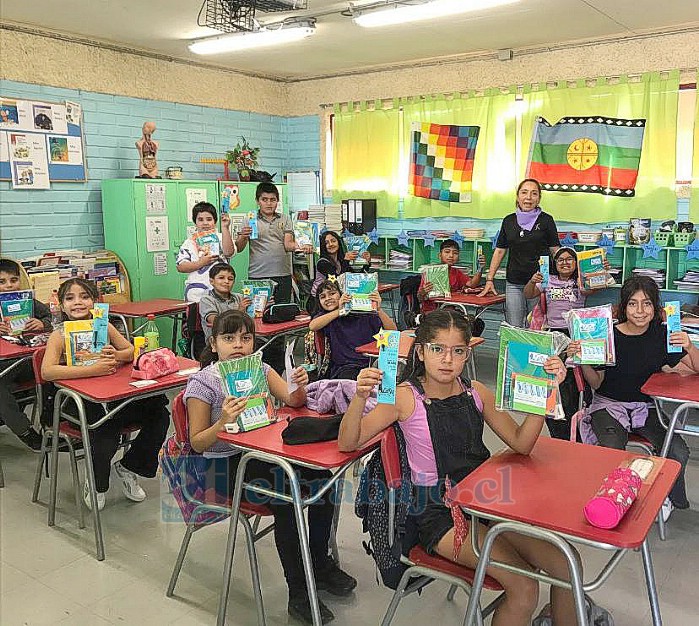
(614,498)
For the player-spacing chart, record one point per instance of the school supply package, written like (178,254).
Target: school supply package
(259,292)
(438,275)
(245,378)
(16,309)
(252,223)
(388,342)
(155,364)
(522,382)
(545,271)
(358,286)
(359,244)
(593,275)
(673,323)
(307,234)
(207,243)
(84,339)
(594,328)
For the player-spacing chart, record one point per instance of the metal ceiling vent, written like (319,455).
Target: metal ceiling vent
(230,16)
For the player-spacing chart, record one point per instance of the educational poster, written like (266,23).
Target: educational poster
(157,236)
(28,165)
(160,264)
(193,196)
(40,142)
(155,199)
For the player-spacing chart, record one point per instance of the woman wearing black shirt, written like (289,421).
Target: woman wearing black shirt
(618,405)
(528,233)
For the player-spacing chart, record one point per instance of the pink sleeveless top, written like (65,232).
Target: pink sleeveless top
(418,441)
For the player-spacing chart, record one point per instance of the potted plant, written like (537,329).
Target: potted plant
(244,158)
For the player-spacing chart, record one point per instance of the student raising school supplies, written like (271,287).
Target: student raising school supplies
(16,309)
(522,383)
(594,328)
(244,378)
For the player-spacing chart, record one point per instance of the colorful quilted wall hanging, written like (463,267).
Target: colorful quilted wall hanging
(587,154)
(441,161)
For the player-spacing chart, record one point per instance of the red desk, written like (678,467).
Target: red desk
(101,389)
(683,391)
(272,332)
(407,338)
(266,444)
(159,307)
(518,491)
(465,300)
(12,355)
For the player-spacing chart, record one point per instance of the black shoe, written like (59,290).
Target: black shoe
(31,439)
(300,609)
(332,579)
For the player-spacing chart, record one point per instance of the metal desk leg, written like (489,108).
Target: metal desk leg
(58,400)
(650,584)
(123,321)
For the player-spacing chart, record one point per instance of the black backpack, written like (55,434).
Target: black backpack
(372,507)
(409,303)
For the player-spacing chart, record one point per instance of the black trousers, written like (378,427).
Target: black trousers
(10,412)
(222,472)
(274,354)
(153,417)
(611,434)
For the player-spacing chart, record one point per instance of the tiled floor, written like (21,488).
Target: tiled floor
(50,575)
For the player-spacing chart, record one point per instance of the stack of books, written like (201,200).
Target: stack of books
(399,260)
(689,282)
(658,275)
(378,261)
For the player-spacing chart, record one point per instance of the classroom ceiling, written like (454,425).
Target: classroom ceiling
(341,47)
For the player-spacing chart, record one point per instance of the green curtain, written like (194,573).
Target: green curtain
(366,155)
(494,165)
(654,98)
(694,199)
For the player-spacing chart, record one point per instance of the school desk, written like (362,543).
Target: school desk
(682,390)
(101,389)
(266,444)
(159,307)
(12,355)
(391,289)
(465,300)
(407,338)
(272,332)
(542,495)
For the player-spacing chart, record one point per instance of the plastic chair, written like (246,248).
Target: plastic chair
(200,509)
(71,434)
(423,568)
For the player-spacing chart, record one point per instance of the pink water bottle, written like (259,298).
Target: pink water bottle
(616,495)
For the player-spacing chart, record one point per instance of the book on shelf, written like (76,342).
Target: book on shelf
(245,378)
(16,309)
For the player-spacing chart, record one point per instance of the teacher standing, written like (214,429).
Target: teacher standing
(528,233)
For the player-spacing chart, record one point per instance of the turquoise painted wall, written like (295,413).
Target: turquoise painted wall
(69,215)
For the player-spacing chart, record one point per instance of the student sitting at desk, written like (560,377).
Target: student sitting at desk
(458,280)
(77,297)
(208,411)
(442,417)
(220,297)
(345,333)
(618,405)
(10,412)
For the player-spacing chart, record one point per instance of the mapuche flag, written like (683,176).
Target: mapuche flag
(587,154)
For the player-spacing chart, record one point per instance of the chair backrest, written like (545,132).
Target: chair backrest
(179,418)
(390,457)
(37,360)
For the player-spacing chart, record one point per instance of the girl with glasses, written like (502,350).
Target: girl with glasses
(442,418)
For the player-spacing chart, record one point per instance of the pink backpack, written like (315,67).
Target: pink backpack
(155,364)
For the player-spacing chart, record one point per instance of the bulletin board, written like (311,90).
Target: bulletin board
(41,143)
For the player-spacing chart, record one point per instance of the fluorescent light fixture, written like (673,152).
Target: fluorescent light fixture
(400,13)
(266,36)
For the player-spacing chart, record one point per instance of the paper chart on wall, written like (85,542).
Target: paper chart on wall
(67,150)
(159,264)
(193,196)
(155,199)
(157,236)
(28,162)
(73,112)
(4,152)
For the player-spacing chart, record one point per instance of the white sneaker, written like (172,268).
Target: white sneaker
(666,509)
(132,490)
(101,498)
